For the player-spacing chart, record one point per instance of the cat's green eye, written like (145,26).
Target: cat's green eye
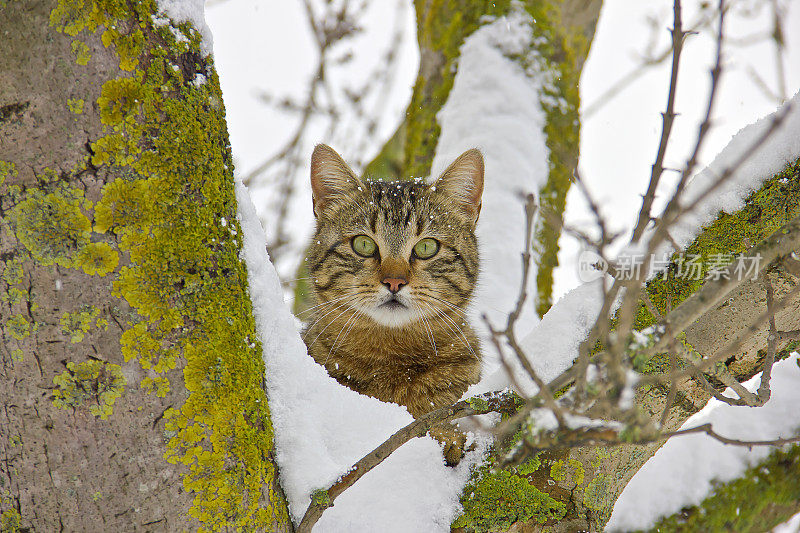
(426,248)
(364,246)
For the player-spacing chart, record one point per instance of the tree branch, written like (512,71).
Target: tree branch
(483,404)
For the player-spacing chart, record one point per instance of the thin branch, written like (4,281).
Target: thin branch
(723,375)
(667,118)
(731,348)
(483,404)
(779,244)
(508,332)
(673,390)
(772,345)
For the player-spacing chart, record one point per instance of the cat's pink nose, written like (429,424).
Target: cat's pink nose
(394,284)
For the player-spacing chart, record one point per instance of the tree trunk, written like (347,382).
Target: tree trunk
(132,385)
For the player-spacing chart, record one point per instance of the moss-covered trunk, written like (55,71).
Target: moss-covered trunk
(132,378)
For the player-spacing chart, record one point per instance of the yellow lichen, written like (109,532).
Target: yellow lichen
(10,520)
(596,492)
(81,52)
(77,324)
(94,384)
(97,258)
(75,105)
(165,142)
(19,328)
(13,272)
(7,169)
(51,225)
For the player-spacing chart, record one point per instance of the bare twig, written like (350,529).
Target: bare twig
(720,372)
(772,345)
(667,118)
(508,332)
(779,244)
(486,403)
(731,348)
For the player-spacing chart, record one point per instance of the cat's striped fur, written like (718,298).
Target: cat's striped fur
(393,325)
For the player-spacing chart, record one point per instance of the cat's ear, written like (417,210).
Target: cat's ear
(463,182)
(331,178)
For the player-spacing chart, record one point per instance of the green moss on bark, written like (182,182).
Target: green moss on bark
(770,207)
(494,500)
(442,26)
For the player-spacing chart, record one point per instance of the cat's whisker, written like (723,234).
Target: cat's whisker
(455,308)
(451,324)
(354,319)
(347,322)
(332,306)
(428,328)
(329,302)
(329,322)
(334,300)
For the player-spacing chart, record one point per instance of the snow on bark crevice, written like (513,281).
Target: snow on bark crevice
(190,11)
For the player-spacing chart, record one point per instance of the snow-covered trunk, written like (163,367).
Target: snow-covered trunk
(503,77)
(474,75)
(132,377)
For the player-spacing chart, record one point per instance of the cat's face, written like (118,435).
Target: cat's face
(395,252)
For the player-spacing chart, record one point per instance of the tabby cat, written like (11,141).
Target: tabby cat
(392,269)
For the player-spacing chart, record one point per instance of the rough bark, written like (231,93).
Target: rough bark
(132,381)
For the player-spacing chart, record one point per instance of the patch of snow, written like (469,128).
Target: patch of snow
(790,526)
(494,106)
(200,79)
(188,11)
(552,346)
(322,427)
(681,472)
(780,148)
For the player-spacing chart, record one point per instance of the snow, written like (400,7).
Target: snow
(780,148)
(494,106)
(188,11)
(322,428)
(552,345)
(680,474)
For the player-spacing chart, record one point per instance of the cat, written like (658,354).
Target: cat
(392,269)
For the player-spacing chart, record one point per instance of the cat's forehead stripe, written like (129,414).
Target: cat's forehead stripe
(397,202)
